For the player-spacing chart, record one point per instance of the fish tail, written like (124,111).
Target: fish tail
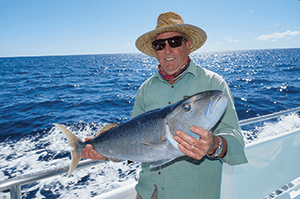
(73,140)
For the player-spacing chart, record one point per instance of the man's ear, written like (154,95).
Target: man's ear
(154,52)
(188,46)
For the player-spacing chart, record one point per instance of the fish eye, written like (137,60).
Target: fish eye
(186,107)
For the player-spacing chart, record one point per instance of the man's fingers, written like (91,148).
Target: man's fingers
(187,140)
(204,134)
(88,138)
(88,152)
(195,152)
(192,147)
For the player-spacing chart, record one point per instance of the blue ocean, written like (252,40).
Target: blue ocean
(85,92)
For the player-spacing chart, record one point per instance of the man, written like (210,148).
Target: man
(198,174)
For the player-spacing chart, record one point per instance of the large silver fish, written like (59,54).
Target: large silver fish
(149,137)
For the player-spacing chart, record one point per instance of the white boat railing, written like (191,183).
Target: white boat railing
(267,117)
(14,184)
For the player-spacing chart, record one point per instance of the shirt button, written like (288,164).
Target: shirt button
(169,102)
(172,86)
(159,173)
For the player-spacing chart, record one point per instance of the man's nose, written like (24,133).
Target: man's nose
(168,48)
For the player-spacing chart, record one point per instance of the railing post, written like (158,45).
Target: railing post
(15,192)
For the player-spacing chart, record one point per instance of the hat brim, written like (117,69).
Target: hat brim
(196,35)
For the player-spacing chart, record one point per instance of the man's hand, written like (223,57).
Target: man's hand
(197,148)
(89,153)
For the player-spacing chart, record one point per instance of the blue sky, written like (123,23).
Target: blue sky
(72,27)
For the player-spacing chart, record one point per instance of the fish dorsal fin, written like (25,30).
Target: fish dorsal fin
(106,128)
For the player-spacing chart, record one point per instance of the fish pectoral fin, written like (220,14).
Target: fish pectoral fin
(160,163)
(162,138)
(159,144)
(155,144)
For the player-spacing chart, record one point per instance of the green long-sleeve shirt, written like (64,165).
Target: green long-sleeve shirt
(186,177)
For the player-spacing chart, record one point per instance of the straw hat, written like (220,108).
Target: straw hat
(171,22)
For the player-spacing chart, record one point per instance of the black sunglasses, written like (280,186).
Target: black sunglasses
(173,42)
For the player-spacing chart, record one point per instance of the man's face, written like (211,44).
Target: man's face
(171,59)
